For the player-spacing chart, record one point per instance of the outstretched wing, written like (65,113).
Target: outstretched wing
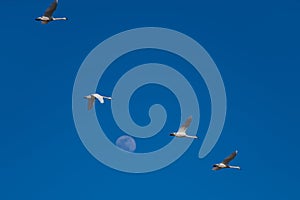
(229,158)
(185,126)
(91,103)
(99,97)
(216,168)
(50,10)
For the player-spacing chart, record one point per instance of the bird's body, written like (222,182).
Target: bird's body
(91,99)
(47,17)
(225,163)
(181,133)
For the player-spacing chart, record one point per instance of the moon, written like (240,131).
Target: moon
(126,143)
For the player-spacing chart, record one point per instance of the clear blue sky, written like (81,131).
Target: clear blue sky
(256,48)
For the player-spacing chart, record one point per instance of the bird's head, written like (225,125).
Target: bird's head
(38,18)
(215,165)
(172,134)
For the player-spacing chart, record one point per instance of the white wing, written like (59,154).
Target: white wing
(99,97)
(185,126)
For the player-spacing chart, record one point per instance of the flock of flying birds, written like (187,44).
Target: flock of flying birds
(181,133)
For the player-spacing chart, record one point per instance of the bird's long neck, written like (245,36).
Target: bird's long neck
(191,136)
(234,167)
(59,18)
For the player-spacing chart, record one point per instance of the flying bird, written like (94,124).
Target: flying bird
(181,133)
(91,99)
(47,17)
(225,163)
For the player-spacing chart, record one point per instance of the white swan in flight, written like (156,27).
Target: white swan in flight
(47,17)
(225,163)
(181,133)
(91,99)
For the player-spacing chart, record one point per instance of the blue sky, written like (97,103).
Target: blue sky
(255,46)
